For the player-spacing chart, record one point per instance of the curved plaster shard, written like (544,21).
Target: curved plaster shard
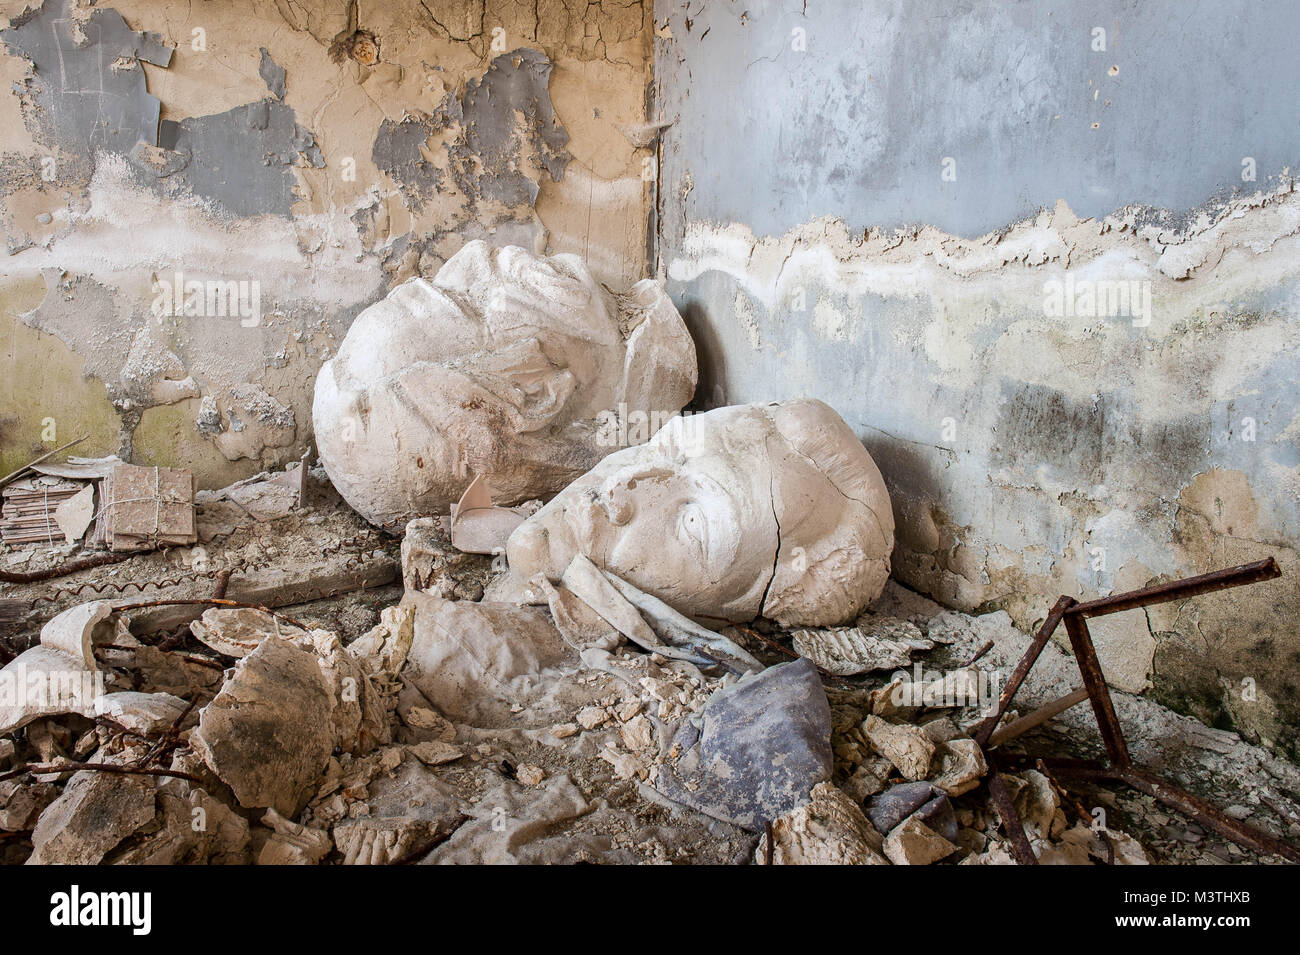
(773,509)
(506,365)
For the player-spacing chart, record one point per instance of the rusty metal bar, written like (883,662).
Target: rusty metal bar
(1205,814)
(1083,769)
(67,567)
(1085,654)
(1252,573)
(1038,717)
(1011,823)
(1022,668)
(1075,616)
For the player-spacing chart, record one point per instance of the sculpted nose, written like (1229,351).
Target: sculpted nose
(616,501)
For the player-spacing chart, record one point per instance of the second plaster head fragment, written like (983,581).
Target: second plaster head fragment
(772,509)
(504,365)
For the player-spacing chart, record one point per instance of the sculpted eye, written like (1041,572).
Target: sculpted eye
(693,529)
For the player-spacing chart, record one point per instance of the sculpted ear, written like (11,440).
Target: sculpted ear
(827,587)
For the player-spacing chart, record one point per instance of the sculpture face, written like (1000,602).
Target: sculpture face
(774,509)
(503,366)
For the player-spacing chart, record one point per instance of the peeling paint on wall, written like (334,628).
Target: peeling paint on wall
(282,165)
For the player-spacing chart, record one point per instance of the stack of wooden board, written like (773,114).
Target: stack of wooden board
(146,507)
(28,515)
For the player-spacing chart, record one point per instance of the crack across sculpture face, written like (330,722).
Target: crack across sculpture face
(505,365)
(773,509)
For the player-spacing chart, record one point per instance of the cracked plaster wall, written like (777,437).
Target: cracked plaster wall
(815,246)
(316,152)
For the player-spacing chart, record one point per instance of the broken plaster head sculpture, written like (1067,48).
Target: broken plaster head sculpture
(771,509)
(505,365)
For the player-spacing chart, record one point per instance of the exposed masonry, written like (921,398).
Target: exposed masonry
(1031,453)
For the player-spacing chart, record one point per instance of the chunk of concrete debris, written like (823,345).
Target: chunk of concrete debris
(912,842)
(955,688)
(421,718)
(145,713)
(907,747)
(637,733)
(383,648)
(191,828)
(1037,803)
(771,509)
(516,359)
(22,802)
(868,779)
(887,644)
(95,812)
(359,717)
(961,766)
(829,829)
(291,843)
(268,734)
(625,765)
(1084,845)
(514,824)
(430,564)
(761,745)
(435,752)
(997,853)
(237,631)
(530,775)
(474,661)
(263,497)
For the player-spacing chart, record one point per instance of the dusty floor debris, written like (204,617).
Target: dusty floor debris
(449,730)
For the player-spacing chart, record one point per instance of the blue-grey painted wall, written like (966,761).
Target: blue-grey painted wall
(858,124)
(815,247)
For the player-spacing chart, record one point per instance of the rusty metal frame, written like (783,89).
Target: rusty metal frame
(1120,766)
